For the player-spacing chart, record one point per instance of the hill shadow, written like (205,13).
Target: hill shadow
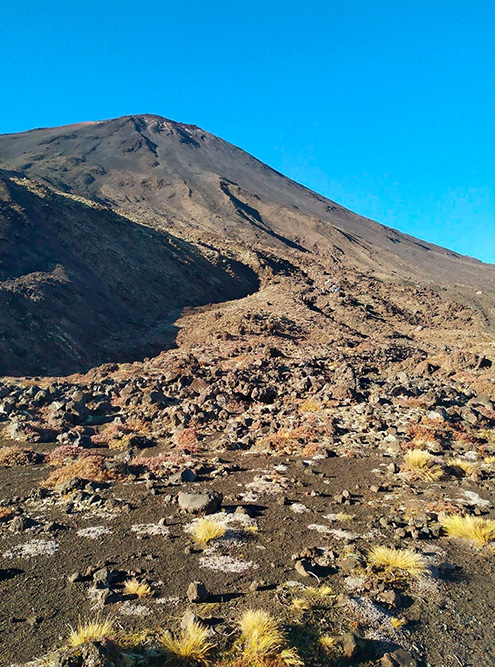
(81,285)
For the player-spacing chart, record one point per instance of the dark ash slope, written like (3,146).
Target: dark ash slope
(184,176)
(82,281)
(80,285)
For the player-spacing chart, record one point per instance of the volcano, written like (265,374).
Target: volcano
(109,229)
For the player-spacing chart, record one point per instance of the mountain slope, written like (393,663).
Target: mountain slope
(109,229)
(80,284)
(183,176)
(338,397)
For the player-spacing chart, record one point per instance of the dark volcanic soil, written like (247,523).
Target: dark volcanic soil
(80,284)
(291,507)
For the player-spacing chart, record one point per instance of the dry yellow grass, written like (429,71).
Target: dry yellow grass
(120,444)
(397,561)
(300,604)
(472,528)
(323,591)
(286,439)
(134,638)
(264,642)
(467,467)
(96,630)
(312,596)
(422,464)
(139,588)
(206,530)
(309,406)
(327,642)
(489,435)
(191,645)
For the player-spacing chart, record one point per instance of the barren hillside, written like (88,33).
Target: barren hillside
(151,207)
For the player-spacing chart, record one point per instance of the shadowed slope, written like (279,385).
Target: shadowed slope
(80,285)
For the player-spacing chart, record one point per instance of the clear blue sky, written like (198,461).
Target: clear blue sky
(386,106)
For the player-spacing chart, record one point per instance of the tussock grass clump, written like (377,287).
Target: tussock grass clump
(311,597)
(462,465)
(289,439)
(321,592)
(121,444)
(300,604)
(309,406)
(489,436)
(397,561)
(96,630)
(422,464)
(264,642)
(473,528)
(328,642)
(135,638)
(190,646)
(90,468)
(206,530)
(136,587)
(16,456)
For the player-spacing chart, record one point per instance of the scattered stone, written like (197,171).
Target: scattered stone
(354,647)
(105,576)
(399,658)
(303,567)
(208,502)
(186,475)
(255,586)
(197,592)
(20,523)
(188,619)
(92,654)
(391,598)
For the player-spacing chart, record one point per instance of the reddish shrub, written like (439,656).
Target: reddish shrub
(90,468)
(187,438)
(111,432)
(154,464)
(16,456)
(65,453)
